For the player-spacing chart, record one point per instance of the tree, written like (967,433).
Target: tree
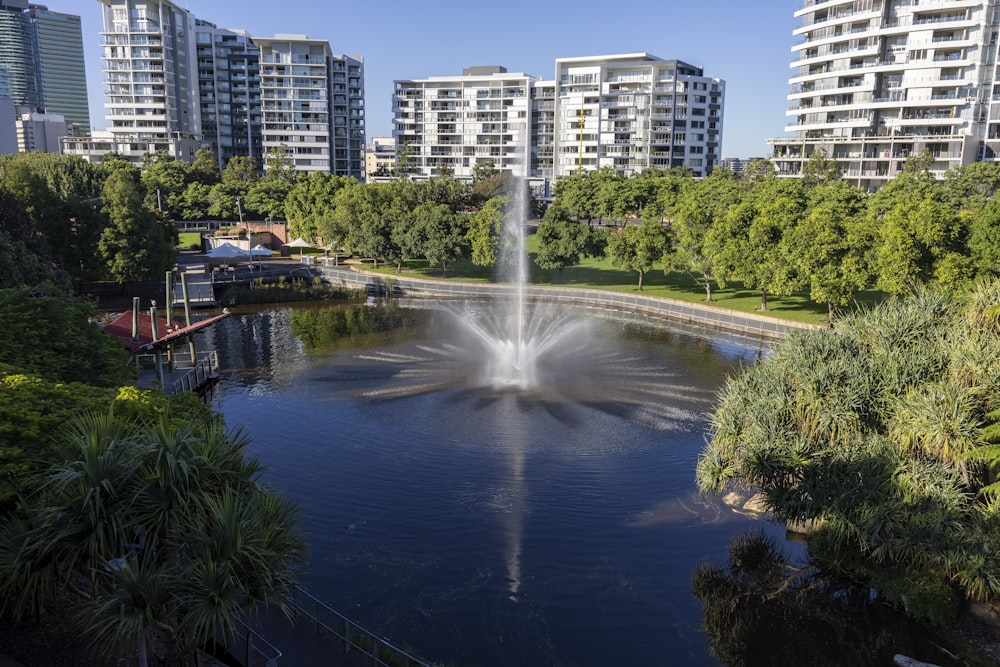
(578,194)
(747,243)
(700,208)
(984,239)
(820,170)
(920,241)
(279,164)
(485,231)
(165,179)
(267,197)
(205,168)
(638,248)
(563,241)
(24,255)
(310,205)
(136,245)
(828,244)
(168,526)
(434,232)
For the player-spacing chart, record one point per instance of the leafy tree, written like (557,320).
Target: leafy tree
(820,170)
(748,243)
(486,230)
(701,207)
(167,524)
(434,232)
(638,248)
(267,197)
(24,255)
(309,207)
(136,245)
(205,168)
(984,239)
(241,169)
(828,245)
(76,349)
(578,194)
(920,241)
(971,186)
(279,165)
(563,241)
(165,179)
(195,201)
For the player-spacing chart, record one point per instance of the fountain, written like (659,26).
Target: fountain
(502,483)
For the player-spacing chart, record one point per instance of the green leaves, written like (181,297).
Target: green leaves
(877,431)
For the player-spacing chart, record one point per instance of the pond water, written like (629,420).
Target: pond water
(484,526)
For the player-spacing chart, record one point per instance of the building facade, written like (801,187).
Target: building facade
(19,81)
(447,124)
(629,112)
(634,112)
(875,81)
(63,76)
(380,159)
(229,92)
(312,105)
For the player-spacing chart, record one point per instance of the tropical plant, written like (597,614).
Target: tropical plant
(163,529)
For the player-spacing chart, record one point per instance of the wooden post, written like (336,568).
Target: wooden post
(170,299)
(156,348)
(187,318)
(135,318)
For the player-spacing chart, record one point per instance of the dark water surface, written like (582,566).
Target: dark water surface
(554,526)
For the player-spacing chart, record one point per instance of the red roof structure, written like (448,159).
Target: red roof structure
(121,329)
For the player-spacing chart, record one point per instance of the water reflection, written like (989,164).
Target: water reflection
(485,526)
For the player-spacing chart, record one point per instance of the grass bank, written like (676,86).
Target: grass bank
(599,274)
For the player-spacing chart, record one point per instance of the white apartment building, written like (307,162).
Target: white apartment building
(875,81)
(636,111)
(449,123)
(312,104)
(630,112)
(151,80)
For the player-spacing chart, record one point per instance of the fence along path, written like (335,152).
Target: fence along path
(696,313)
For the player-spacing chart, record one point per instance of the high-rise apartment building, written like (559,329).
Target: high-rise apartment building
(176,83)
(229,92)
(151,80)
(629,112)
(312,105)
(875,81)
(635,111)
(62,72)
(449,123)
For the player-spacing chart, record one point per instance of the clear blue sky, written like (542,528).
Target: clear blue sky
(746,42)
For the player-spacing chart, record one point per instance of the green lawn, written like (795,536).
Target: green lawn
(599,274)
(190,240)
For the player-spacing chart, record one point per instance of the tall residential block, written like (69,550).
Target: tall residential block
(229,92)
(630,112)
(151,78)
(450,123)
(312,105)
(635,111)
(875,81)
(62,72)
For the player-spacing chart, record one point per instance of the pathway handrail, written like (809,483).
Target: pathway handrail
(697,313)
(257,651)
(353,636)
(197,375)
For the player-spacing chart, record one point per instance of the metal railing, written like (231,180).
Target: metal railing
(711,316)
(197,376)
(257,651)
(352,636)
